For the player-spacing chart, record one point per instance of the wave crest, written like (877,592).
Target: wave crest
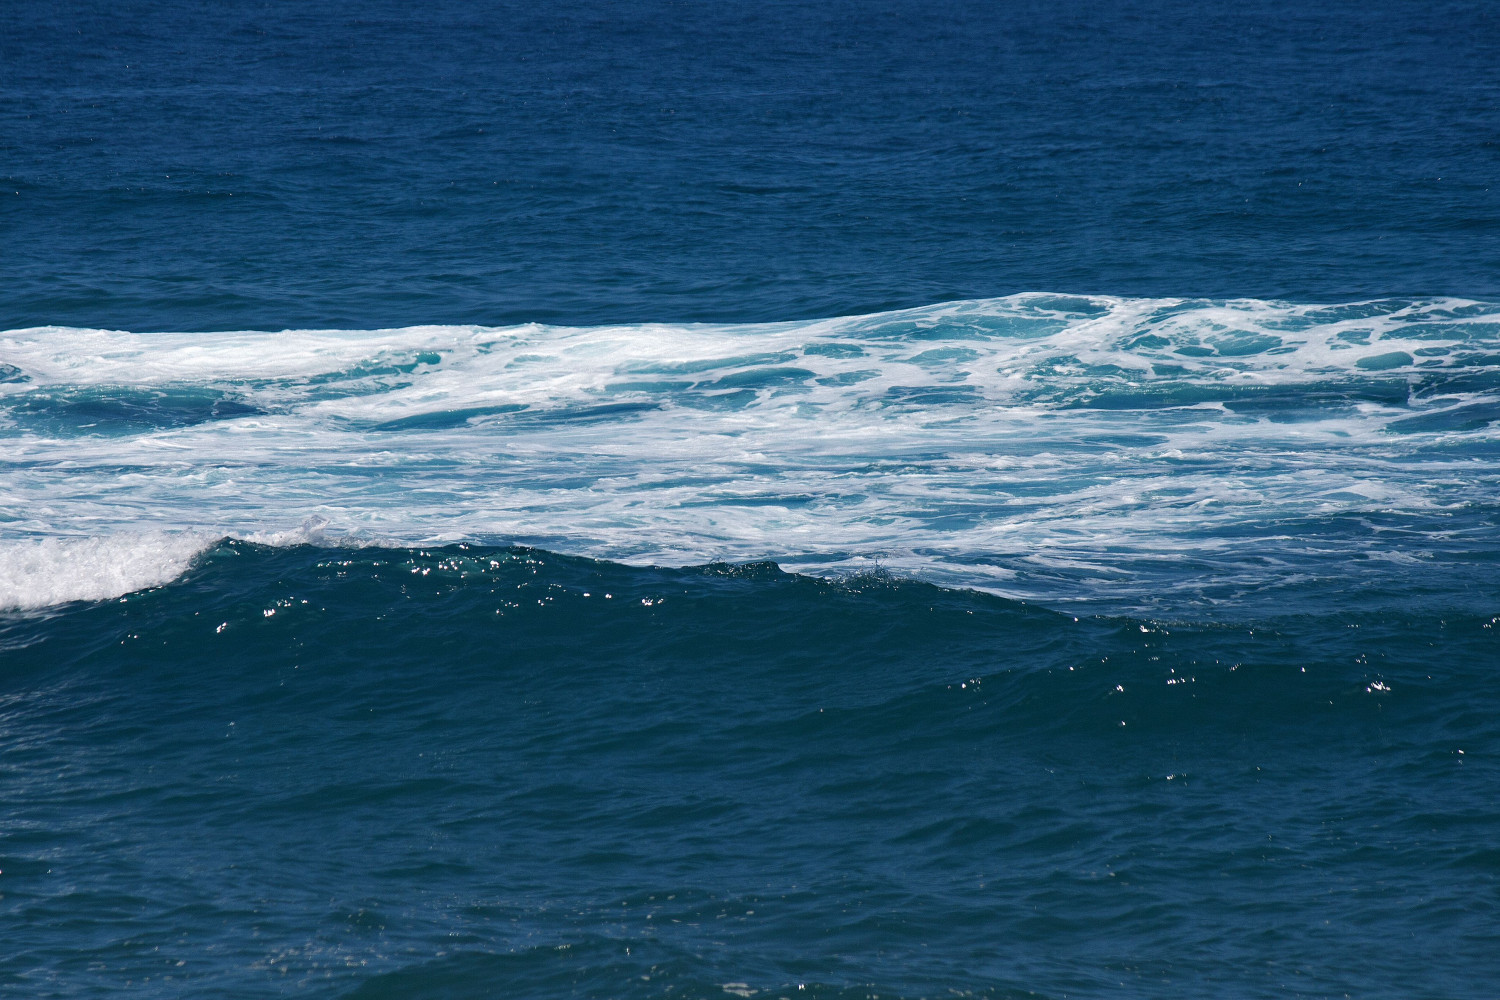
(1034,445)
(37,573)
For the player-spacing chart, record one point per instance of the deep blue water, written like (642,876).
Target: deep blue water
(179,166)
(789,500)
(472,772)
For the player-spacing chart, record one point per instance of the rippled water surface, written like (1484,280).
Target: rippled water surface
(833,500)
(471,771)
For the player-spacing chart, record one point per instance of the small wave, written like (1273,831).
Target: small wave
(37,573)
(43,572)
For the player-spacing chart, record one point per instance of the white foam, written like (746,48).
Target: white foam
(36,573)
(965,441)
(1021,333)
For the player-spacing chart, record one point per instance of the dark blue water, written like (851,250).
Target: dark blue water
(561,605)
(175,166)
(502,772)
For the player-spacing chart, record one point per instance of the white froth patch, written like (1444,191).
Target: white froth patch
(981,442)
(37,573)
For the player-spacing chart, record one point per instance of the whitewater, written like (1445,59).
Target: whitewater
(1129,452)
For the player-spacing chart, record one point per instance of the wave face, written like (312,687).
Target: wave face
(502,772)
(1148,454)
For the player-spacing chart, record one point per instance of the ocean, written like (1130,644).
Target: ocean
(839,500)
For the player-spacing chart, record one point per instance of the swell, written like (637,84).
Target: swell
(537,771)
(260,602)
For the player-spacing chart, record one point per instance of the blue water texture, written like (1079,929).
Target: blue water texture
(786,500)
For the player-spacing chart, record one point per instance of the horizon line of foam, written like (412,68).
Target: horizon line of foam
(1107,329)
(1014,299)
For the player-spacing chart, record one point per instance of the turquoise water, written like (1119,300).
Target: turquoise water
(653,500)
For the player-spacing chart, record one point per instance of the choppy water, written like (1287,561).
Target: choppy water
(787,500)
(1139,453)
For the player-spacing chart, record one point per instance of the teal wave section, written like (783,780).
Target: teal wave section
(471,771)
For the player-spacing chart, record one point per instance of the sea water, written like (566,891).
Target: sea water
(797,501)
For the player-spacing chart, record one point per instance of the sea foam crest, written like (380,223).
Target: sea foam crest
(1039,350)
(1019,444)
(36,573)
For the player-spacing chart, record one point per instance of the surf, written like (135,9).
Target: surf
(1059,447)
